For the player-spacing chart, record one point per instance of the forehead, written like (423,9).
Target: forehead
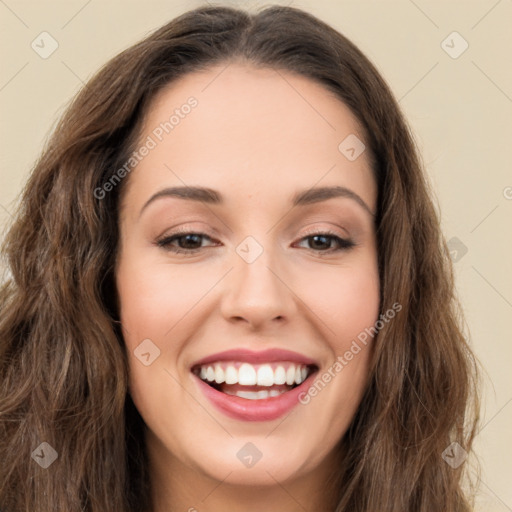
(250,131)
(238,92)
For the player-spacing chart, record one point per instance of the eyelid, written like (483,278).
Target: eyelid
(324,231)
(332,228)
(179,232)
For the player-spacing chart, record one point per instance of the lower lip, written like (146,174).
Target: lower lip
(266,409)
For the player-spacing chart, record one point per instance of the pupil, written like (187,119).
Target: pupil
(190,239)
(322,237)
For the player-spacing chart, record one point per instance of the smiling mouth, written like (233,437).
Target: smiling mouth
(254,381)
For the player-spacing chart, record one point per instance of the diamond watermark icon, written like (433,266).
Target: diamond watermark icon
(249,249)
(147,352)
(454,45)
(44,455)
(249,455)
(351,147)
(457,249)
(454,455)
(44,45)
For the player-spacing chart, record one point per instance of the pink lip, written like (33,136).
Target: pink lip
(254,410)
(264,356)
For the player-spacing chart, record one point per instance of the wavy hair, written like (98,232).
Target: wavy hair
(63,363)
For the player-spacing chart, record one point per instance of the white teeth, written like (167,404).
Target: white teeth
(251,395)
(290,375)
(247,375)
(231,375)
(255,395)
(280,375)
(265,376)
(219,374)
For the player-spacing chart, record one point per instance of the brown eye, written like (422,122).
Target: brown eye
(323,242)
(183,242)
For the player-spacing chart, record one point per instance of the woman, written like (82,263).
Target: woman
(230,290)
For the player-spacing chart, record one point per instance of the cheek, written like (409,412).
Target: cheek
(154,297)
(163,303)
(355,303)
(344,298)
(347,302)
(154,302)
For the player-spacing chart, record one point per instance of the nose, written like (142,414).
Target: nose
(258,294)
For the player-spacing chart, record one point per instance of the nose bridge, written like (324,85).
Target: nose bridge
(256,291)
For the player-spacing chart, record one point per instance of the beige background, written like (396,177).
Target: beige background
(459,108)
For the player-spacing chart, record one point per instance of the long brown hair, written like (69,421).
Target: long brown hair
(63,364)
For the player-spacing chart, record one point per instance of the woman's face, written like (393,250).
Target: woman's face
(247,273)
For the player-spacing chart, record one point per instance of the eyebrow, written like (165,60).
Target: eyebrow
(316,195)
(301,198)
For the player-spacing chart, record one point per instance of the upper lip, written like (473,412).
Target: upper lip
(262,356)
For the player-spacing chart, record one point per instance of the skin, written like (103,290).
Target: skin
(257,136)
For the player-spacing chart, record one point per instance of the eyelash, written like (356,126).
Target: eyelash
(165,242)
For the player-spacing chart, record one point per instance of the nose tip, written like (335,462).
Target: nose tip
(256,294)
